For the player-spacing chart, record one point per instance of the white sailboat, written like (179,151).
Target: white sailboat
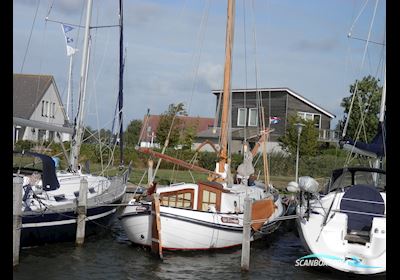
(204,215)
(344,225)
(50,197)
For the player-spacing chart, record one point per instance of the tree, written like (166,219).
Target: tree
(132,133)
(166,120)
(188,135)
(365,109)
(308,138)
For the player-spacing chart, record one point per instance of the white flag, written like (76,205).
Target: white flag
(68,39)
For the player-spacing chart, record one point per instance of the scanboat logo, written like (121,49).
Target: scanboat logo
(318,260)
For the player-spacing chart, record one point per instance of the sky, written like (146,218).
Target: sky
(174,50)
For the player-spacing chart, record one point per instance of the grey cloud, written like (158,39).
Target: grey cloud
(323,45)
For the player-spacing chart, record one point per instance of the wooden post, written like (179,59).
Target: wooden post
(81,210)
(245,263)
(156,244)
(17,218)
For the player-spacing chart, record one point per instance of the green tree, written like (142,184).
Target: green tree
(365,109)
(188,135)
(132,133)
(168,119)
(308,138)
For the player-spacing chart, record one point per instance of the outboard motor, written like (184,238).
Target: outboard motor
(310,188)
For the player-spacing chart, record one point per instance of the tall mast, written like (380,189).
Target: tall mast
(227,86)
(78,126)
(377,161)
(121,74)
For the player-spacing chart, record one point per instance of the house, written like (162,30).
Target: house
(278,104)
(38,107)
(150,124)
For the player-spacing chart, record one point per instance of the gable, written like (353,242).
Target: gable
(30,90)
(266,91)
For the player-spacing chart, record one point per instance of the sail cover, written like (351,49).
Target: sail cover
(49,178)
(376,148)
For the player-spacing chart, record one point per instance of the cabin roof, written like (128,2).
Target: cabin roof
(288,90)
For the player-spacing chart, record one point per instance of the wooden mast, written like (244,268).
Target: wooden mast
(227,87)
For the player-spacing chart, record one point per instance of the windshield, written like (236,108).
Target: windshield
(359,177)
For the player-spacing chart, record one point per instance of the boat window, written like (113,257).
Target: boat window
(209,199)
(360,178)
(180,199)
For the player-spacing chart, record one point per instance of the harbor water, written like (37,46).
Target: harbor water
(110,255)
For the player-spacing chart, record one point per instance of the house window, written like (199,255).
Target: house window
(43,109)
(47,109)
(253,117)
(180,199)
(241,120)
(209,199)
(311,117)
(53,110)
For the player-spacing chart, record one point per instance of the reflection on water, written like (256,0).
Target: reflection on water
(110,255)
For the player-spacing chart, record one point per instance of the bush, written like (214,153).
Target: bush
(24,145)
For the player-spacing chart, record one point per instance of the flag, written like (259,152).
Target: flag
(274,120)
(68,39)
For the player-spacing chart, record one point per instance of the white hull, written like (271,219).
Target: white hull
(186,229)
(330,240)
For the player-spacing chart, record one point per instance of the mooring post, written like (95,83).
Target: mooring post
(156,244)
(245,264)
(17,217)
(81,210)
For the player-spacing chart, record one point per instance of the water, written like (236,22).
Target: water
(110,255)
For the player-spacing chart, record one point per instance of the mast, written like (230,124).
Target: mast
(121,74)
(78,125)
(227,86)
(377,161)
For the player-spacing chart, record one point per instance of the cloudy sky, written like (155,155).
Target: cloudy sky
(175,50)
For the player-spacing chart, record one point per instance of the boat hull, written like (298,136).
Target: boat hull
(183,229)
(40,229)
(330,245)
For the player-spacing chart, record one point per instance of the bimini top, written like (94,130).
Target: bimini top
(49,178)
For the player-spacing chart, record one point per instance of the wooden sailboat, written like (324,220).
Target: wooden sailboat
(208,214)
(50,197)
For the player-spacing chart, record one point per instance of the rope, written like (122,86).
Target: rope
(362,64)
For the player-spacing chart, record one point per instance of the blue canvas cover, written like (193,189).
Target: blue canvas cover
(376,146)
(49,178)
(348,204)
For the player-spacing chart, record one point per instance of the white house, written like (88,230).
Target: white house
(38,110)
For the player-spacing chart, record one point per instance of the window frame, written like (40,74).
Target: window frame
(256,117)
(303,115)
(175,194)
(238,116)
(203,187)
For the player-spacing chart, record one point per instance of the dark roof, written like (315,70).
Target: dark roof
(28,90)
(288,90)
(201,124)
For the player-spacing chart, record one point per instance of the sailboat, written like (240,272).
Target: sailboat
(344,225)
(207,214)
(50,197)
